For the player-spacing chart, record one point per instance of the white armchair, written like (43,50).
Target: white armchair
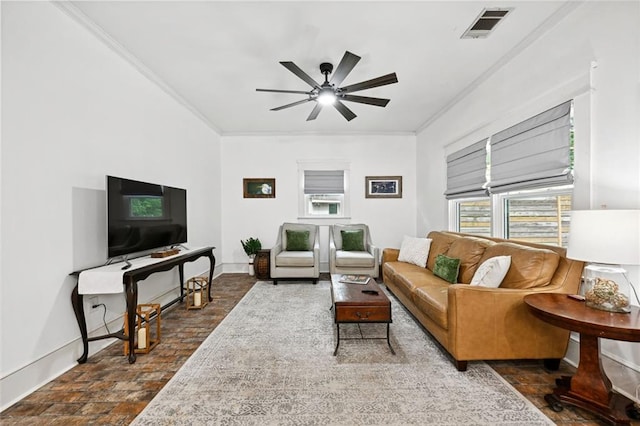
(296,254)
(350,261)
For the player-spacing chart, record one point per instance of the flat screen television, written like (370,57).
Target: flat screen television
(143,216)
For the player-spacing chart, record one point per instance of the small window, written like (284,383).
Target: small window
(474,216)
(324,192)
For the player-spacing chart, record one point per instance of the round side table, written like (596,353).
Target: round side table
(262,264)
(589,388)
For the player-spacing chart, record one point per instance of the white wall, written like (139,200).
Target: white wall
(72,112)
(277,157)
(592,56)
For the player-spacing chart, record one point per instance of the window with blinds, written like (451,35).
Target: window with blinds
(324,193)
(521,186)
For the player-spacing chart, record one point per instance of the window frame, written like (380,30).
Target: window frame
(454,211)
(303,211)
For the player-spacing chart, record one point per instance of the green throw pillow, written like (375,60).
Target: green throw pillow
(297,240)
(353,240)
(447,268)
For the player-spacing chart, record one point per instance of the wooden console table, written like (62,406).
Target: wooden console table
(130,280)
(589,388)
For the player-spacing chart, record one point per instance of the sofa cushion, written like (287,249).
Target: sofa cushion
(447,268)
(469,250)
(352,240)
(492,272)
(297,240)
(295,258)
(406,275)
(431,299)
(354,259)
(441,241)
(530,267)
(414,250)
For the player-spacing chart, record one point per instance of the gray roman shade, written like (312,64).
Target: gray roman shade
(533,153)
(324,181)
(466,171)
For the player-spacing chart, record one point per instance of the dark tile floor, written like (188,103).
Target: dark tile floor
(108,390)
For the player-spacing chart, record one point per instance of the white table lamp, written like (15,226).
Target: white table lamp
(606,239)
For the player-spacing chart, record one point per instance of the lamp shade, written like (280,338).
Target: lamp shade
(605,236)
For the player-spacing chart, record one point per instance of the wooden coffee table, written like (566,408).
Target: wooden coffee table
(589,388)
(351,305)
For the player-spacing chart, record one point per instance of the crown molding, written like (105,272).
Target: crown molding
(80,17)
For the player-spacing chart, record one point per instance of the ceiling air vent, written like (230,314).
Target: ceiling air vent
(486,22)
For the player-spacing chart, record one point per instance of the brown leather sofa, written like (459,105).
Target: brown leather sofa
(481,323)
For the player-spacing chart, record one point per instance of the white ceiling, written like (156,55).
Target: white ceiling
(212,55)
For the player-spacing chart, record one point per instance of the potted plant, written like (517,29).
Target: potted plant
(251,246)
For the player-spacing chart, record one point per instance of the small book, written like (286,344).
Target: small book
(354,279)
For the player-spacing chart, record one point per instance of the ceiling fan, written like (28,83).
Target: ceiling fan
(329,92)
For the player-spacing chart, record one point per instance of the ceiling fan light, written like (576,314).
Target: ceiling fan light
(326,97)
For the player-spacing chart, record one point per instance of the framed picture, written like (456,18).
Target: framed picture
(259,188)
(383,186)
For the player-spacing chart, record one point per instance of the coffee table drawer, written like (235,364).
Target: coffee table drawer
(363,313)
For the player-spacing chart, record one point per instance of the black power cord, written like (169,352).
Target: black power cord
(104,315)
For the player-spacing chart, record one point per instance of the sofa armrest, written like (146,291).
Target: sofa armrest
(275,250)
(316,253)
(390,255)
(332,249)
(507,327)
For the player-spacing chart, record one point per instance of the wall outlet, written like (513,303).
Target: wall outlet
(93,301)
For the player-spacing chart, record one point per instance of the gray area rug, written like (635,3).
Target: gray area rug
(270,362)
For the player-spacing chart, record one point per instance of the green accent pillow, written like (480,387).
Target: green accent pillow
(447,268)
(297,240)
(353,240)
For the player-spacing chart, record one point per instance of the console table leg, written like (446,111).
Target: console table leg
(78,309)
(212,266)
(132,304)
(337,338)
(181,275)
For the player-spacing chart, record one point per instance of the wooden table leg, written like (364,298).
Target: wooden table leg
(132,304)
(590,388)
(212,266)
(78,309)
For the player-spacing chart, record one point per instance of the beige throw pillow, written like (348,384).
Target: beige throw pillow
(415,250)
(492,272)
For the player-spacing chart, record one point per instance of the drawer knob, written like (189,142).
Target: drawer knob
(359,315)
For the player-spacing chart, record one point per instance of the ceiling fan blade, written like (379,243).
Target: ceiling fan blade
(342,109)
(365,100)
(291,104)
(301,74)
(284,91)
(376,82)
(348,61)
(314,113)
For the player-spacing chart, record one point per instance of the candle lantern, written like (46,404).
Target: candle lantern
(147,337)
(197,292)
